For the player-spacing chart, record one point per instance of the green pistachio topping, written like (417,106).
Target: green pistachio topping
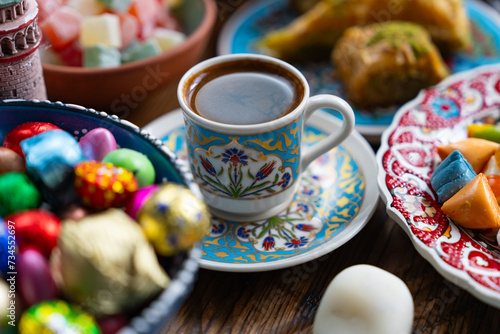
(397,33)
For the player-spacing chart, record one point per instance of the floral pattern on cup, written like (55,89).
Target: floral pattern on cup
(226,171)
(246,167)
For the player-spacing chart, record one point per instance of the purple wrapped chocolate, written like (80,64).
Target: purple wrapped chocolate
(138,199)
(97,143)
(34,277)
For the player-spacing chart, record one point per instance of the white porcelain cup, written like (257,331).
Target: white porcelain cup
(250,172)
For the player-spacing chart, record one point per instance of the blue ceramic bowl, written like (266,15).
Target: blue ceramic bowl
(78,120)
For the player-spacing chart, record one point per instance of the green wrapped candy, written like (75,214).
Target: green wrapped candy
(17,193)
(55,317)
(173,219)
(136,162)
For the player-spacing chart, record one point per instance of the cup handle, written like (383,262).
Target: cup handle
(327,101)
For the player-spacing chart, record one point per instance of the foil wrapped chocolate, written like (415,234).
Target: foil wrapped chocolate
(138,199)
(51,156)
(17,193)
(34,280)
(50,159)
(104,263)
(103,185)
(6,246)
(173,219)
(97,143)
(112,324)
(57,316)
(24,131)
(36,229)
(134,161)
(10,161)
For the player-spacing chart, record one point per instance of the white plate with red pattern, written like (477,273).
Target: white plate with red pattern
(406,159)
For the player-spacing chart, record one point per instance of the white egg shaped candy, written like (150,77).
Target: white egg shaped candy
(367,300)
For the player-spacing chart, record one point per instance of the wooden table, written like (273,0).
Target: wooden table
(285,301)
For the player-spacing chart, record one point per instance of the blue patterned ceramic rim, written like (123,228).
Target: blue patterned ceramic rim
(256,18)
(78,120)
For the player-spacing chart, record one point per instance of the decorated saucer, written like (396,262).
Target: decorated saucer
(336,197)
(254,19)
(407,158)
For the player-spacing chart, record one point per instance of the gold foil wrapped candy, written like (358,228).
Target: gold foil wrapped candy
(173,219)
(104,263)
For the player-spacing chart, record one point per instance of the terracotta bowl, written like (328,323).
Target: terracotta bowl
(112,88)
(182,267)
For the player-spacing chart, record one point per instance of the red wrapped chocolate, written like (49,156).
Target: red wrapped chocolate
(23,131)
(103,185)
(38,229)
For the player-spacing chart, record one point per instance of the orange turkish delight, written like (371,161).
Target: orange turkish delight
(474,206)
(475,150)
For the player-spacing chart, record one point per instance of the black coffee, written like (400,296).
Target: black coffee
(243,92)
